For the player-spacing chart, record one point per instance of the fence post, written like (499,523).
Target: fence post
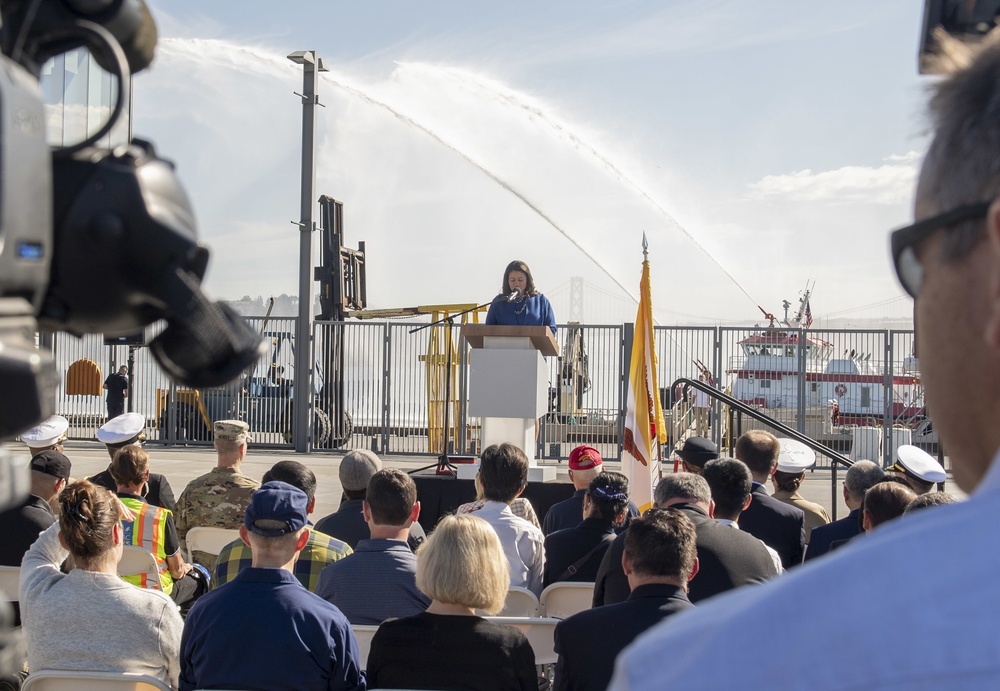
(461,423)
(716,430)
(386,383)
(887,398)
(800,412)
(625,360)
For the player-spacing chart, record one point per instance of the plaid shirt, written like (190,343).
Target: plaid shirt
(320,550)
(519,507)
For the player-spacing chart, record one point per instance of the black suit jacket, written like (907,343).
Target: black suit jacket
(781,526)
(588,643)
(838,531)
(727,558)
(564,548)
(159,494)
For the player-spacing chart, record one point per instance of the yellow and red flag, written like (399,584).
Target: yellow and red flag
(644,426)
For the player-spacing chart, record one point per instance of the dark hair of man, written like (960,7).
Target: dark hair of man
(608,493)
(391,496)
(518,265)
(503,472)
(924,501)
(682,486)
(129,465)
(294,473)
(661,542)
(759,450)
(731,483)
(886,500)
(788,482)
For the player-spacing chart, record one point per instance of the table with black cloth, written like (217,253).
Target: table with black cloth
(440,495)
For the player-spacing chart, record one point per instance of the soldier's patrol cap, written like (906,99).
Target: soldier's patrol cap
(698,451)
(794,457)
(915,462)
(233,430)
(52,463)
(122,430)
(47,433)
(357,468)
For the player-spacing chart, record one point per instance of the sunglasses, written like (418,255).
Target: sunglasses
(909,270)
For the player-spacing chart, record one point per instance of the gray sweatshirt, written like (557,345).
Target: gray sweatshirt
(85,621)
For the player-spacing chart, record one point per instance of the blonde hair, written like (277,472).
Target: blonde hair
(462,563)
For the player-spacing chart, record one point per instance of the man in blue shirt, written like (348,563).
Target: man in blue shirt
(264,630)
(378,581)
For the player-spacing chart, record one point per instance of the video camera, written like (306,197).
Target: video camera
(94,240)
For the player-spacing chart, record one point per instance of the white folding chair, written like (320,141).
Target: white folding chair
(364,633)
(564,599)
(57,680)
(540,632)
(136,561)
(209,540)
(520,602)
(10,580)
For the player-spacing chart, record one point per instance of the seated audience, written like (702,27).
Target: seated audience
(265,630)
(21,525)
(793,461)
(780,526)
(347,523)
(727,558)
(90,620)
(884,502)
(519,507)
(575,554)
(585,463)
(152,528)
(130,430)
(448,646)
(320,551)
(696,452)
(378,581)
(503,471)
(219,498)
(730,482)
(659,559)
(860,477)
(920,470)
(924,501)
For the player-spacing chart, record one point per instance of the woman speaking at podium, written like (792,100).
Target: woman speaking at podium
(519,302)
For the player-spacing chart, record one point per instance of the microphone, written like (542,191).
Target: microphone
(513,295)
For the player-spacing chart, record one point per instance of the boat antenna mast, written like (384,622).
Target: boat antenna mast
(803,318)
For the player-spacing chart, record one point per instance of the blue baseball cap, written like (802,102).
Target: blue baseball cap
(277,501)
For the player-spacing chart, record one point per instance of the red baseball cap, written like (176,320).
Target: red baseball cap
(584,458)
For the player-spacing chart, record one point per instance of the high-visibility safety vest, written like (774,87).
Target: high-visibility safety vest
(149,531)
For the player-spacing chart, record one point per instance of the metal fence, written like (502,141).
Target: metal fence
(382,385)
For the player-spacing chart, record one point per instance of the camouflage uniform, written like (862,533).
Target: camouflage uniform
(218,499)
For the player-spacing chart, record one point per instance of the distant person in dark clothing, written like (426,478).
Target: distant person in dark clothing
(575,554)
(378,581)
(117,387)
(347,523)
(585,463)
(859,478)
(659,559)
(448,646)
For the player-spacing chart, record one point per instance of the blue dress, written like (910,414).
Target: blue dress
(534,310)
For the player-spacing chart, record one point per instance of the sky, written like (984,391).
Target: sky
(758,145)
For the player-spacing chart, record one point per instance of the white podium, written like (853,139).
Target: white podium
(509,387)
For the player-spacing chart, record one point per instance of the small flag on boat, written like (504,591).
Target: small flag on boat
(809,315)
(644,426)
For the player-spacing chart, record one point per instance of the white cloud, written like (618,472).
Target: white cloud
(890,183)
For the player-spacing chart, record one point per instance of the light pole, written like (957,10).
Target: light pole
(312,65)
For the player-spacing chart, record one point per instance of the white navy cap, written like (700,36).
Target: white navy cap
(918,463)
(123,429)
(47,433)
(794,456)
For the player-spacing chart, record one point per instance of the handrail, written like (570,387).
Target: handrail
(784,429)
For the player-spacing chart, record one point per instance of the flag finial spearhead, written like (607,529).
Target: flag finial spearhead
(645,245)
